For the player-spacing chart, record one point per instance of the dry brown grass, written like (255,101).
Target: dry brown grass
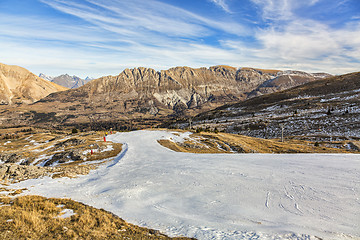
(35,217)
(229,143)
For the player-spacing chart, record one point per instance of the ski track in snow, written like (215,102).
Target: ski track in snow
(220,196)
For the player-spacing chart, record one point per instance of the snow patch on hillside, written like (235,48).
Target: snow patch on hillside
(220,196)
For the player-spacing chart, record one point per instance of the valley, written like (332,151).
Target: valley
(204,153)
(170,119)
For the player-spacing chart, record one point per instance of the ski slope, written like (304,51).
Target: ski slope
(220,196)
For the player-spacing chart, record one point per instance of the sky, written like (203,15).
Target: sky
(103,37)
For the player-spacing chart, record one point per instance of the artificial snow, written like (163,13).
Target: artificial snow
(220,196)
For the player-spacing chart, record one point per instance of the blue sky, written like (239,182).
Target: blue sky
(103,37)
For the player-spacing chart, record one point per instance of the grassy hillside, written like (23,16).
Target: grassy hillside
(208,142)
(36,217)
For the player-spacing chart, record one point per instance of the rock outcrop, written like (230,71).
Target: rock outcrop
(18,85)
(19,172)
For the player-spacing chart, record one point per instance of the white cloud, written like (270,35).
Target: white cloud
(275,9)
(116,34)
(222,4)
(306,45)
(291,41)
(21,27)
(146,16)
(313,2)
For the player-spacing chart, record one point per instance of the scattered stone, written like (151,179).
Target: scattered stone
(10,171)
(66,156)
(70,142)
(10,157)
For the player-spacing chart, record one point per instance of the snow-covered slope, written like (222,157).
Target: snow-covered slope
(219,196)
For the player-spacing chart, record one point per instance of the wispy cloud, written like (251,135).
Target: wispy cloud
(275,9)
(222,4)
(291,41)
(147,16)
(130,34)
(103,37)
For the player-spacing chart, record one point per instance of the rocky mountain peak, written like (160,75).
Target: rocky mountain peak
(46,77)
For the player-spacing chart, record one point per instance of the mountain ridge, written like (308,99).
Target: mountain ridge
(165,86)
(18,85)
(144,93)
(66,80)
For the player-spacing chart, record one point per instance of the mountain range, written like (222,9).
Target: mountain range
(179,90)
(146,97)
(66,80)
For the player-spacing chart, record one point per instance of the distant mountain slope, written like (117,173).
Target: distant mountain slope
(146,93)
(66,80)
(46,77)
(179,89)
(326,107)
(18,85)
(285,80)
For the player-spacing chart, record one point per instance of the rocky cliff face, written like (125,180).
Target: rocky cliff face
(144,93)
(147,91)
(177,90)
(18,85)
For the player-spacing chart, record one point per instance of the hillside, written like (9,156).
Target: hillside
(145,97)
(323,108)
(285,80)
(181,89)
(18,85)
(147,91)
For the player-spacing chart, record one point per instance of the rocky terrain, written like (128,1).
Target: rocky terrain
(66,80)
(18,85)
(31,153)
(220,142)
(146,97)
(324,110)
